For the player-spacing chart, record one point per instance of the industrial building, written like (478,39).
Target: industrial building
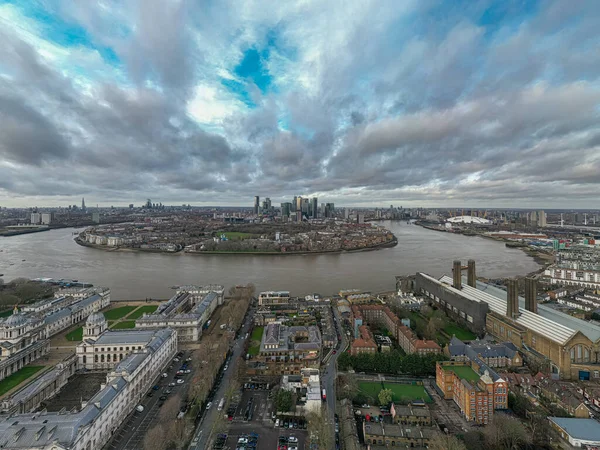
(567,347)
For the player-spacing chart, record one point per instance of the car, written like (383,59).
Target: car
(334,352)
(291,424)
(187,371)
(286,423)
(176,359)
(242,440)
(139,408)
(189,359)
(293,447)
(208,405)
(164,375)
(171,384)
(180,381)
(293,439)
(277,423)
(162,397)
(225,368)
(156,387)
(150,394)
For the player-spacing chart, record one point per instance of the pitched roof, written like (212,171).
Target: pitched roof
(583,429)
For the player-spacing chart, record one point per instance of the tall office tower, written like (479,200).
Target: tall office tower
(305,206)
(315,208)
(82,204)
(285,209)
(294,203)
(299,204)
(541,219)
(331,208)
(346,213)
(268,200)
(256,204)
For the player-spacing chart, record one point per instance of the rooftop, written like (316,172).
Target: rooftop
(584,429)
(462,372)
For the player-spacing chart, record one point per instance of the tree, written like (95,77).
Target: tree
(170,409)
(155,438)
(474,440)
(505,433)
(446,442)
(320,429)
(385,397)
(283,401)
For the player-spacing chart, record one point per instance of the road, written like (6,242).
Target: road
(203,431)
(329,374)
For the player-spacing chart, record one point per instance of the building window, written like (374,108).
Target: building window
(509,333)
(533,341)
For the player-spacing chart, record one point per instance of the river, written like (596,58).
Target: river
(136,275)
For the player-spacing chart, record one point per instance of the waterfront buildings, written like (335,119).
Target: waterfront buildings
(187,311)
(270,298)
(91,427)
(567,347)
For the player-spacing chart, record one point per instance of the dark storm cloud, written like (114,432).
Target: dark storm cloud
(424,103)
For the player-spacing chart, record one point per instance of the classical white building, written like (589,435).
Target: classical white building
(22,341)
(102,348)
(187,312)
(92,426)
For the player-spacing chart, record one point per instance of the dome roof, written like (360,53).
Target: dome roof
(15,320)
(95,319)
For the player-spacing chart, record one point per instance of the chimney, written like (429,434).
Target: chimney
(471,278)
(512,299)
(456,275)
(531,295)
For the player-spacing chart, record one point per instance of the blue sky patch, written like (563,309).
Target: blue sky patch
(253,69)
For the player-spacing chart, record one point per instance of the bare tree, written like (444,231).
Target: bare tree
(177,432)
(446,442)
(171,408)
(505,433)
(155,438)
(320,428)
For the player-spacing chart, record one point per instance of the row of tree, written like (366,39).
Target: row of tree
(393,362)
(173,433)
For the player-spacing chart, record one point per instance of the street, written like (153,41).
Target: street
(203,431)
(329,374)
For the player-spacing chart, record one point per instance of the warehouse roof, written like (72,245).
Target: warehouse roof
(582,429)
(554,331)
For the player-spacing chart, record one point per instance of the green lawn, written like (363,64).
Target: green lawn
(235,235)
(460,333)
(400,391)
(118,313)
(6,313)
(18,377)
(75,335)
(255,339)
(464,372)
(148,309)
(124,325)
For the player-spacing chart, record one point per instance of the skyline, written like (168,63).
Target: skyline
(431,104)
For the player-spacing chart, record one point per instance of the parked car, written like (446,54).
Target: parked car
(180,381)
(139,408)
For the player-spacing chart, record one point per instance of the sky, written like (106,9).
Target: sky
(367,103)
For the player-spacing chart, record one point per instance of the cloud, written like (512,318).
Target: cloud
(365,103)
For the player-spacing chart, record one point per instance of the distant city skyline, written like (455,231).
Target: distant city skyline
(488,104)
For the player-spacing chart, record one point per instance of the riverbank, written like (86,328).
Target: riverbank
(542,258)
(388,244)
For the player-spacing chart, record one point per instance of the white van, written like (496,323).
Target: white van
(139,408)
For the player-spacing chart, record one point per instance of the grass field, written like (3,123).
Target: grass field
(148,309)
(18,377)
(463,372)
(255,337)
(118,313)
(236,235)
(400,391)
(6,313)
(75,335)
(460,333)
(124,325)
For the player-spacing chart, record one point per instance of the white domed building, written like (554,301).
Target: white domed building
(95,325)
(469,220)
(22,341)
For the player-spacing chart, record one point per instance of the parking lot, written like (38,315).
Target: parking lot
(268,436)
(130,435)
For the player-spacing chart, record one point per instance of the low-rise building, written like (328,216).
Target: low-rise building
(365,343)
(394,435)
(410,415)
(268,298)
(578,432)
(494,355)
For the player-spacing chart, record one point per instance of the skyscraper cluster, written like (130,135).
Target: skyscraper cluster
(300,208)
